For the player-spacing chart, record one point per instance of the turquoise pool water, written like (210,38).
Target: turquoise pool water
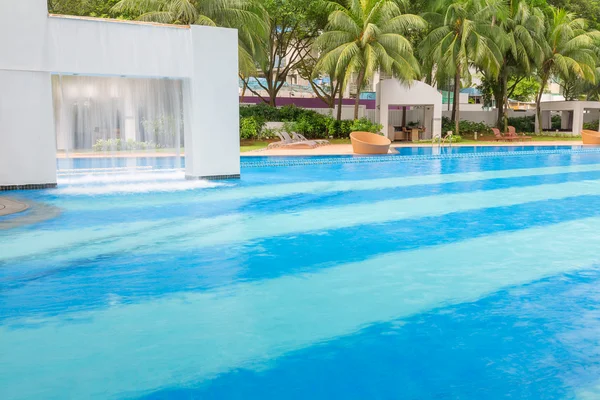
(459,277)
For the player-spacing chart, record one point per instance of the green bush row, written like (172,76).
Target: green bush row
(309,123)
(119,144)
(465,127)
(592,125)
(523,124)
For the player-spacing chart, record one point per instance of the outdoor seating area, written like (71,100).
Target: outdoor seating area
(295,141)
(510,136)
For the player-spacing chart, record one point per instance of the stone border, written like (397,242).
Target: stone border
(36,213)
(5,188)
(213,177)
(9,207)
(334,160)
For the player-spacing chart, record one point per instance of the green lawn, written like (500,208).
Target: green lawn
(249,146)
(533,139)
(253,146)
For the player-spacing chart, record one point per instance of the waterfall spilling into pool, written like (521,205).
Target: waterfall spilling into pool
(109,124)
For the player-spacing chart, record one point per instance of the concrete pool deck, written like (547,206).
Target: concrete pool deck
(345,149)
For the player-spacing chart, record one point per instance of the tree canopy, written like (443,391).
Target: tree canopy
(516,46)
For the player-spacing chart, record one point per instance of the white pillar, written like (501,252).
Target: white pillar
(577,117)
(27,138)
(565,119)
(383,110)
(212,141)
(546,120)
(129,111)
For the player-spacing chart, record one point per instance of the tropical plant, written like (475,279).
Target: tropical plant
(364,36)
(462,35)
(522,124)
(568,52)
(250,128)
(522,27)
(466,127)
(92,8)
(287,44)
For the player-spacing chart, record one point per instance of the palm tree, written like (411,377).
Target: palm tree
(363,36)
(247,16)
(522,28)
(568,52)
(462,36)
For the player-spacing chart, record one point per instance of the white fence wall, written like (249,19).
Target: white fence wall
(347,111)
(487,117)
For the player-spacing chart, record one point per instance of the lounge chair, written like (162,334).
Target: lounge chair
(499,136)
(286,142)
(296,137)
(512,132)
(590,137)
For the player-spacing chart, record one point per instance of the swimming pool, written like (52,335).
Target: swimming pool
(465,277)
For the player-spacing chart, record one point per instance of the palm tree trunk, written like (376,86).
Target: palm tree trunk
(340,103)
(456,102)
(359,83)
(504,87)
(538,108)
(499,111)
(244,87)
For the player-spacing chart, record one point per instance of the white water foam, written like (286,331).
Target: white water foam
(169,181)
(273,191)
(188,233)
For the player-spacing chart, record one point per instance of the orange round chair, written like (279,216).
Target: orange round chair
(590,137)
(369,143)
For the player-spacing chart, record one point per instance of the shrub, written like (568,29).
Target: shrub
(118,145)
(556,122)
(309,123)
(465,127)
(523,124)
(268,133)
(365,125)
(263,111)
(592,125)
(312,126)
(250,128)
(339,129)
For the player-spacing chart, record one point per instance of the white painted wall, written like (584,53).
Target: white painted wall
(32,41)
(487,117)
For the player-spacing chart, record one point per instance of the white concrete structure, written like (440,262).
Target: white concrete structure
(391,92)
(572,114)
(34,45)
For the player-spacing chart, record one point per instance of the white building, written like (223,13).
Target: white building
(37,48)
